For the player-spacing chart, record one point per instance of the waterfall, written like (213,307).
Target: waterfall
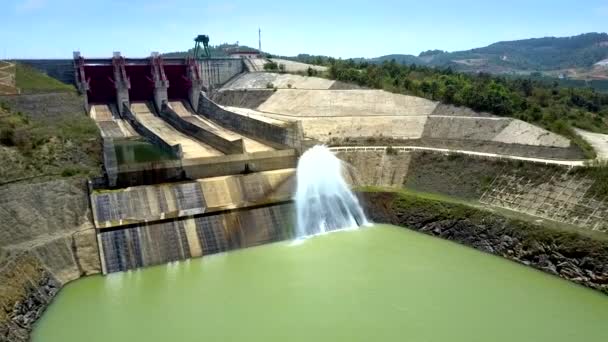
(324,202)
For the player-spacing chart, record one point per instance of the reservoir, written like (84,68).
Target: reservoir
(378,283)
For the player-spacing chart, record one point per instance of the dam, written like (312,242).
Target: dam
(192,213)
(228,183)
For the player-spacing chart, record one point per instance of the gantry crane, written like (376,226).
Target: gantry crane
(201,38)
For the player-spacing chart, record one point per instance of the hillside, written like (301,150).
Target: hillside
(44,132)
(576,57)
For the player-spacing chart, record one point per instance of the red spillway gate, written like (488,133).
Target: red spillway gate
(97,78)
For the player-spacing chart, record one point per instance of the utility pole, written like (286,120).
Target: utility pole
(260,40)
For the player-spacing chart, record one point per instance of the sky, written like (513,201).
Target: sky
(55,28)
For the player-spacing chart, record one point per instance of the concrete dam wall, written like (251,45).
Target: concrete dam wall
(148,225)
(164,242)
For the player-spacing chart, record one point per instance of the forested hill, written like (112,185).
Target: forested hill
(536,54)
(547,53)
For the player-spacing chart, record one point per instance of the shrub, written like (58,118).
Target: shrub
(271,66)
(269,85)
(69,172)
(7,136)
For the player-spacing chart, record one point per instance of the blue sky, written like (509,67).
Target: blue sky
(55,28)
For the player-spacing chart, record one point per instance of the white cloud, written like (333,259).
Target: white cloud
(30,5)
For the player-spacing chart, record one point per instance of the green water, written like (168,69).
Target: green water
(138,151)
(375,284)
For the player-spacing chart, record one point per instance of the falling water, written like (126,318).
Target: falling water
(323,200)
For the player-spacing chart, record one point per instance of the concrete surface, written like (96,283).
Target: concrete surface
(254,64)
(217,71)
(172,200)
(448,151)
(261,80)
(323,103)
(375,168)
(291,66)
(464,127)
(251,145)
(252,113)
(191,148)
(330,128)
(598,141)
(520,132)
(163,242)
(559,197)
(110,126)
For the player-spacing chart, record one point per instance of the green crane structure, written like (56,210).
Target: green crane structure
(201,38)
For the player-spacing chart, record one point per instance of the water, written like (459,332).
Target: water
(138,151)
(379,283)
(324,201)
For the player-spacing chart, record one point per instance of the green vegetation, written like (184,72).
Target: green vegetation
(29,80)
(547,105)
(65,145)
(271,66)
(549,53)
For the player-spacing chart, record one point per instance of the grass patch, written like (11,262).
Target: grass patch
(30,80)
(65,145)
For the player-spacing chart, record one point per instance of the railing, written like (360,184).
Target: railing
(449,151)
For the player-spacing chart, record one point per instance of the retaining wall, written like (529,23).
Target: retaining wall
(288,135)
(147,203)
(223,145)
(244,98)
(175,150)
(217,71)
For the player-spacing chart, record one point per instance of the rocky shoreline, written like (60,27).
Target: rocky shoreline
(569,255)
(28,289)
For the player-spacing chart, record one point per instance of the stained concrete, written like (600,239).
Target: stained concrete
(162,201)
(254,64)
(279,135)
(464,128)
(375,168)
(264,80)
(243,98)
(250,145)
(217,71)
(520,132)
(323,103)
(191,148)
(162,242)
(333,129)
(109,124)
(291,66)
